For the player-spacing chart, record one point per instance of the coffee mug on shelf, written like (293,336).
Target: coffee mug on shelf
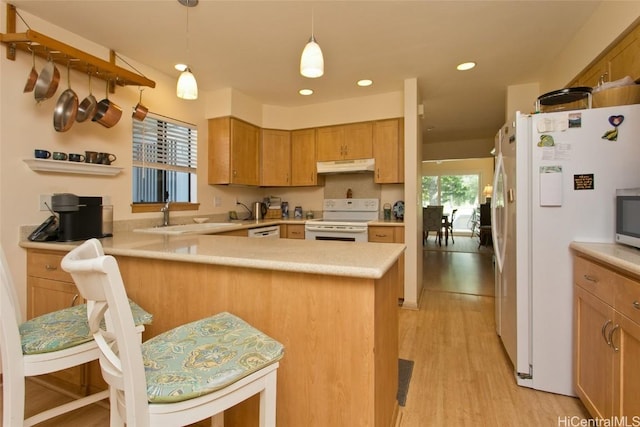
(41,154)
(106,158)
(74,157)
(91,157)
(57,155)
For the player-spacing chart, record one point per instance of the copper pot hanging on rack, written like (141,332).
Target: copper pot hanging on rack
(107,113)
(33,75)
(87,108)
(140,111)
(47,82)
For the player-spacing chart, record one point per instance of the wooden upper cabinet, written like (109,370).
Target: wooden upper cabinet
(624,58)
(345,142)
(617,62)
(593,75)
(233,152)
(303,158)
(275,158)
(388,151)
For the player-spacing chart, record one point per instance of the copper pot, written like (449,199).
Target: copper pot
(107,113)
(87,108)
(66,108)
(140,111)
(47,82)
(33,76)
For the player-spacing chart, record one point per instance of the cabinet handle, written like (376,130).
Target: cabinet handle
(590,278)
(636,305)
(604,333)
(615,328)
(50,267)
(381,235)
(73,300)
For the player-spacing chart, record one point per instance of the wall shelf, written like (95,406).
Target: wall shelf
(67,56)
(65,166)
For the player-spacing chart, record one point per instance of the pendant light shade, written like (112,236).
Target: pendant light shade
(312,62)
(187,87)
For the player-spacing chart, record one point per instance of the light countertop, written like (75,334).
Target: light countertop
(622,257)
(363,260)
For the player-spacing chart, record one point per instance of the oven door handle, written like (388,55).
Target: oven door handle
(338,230)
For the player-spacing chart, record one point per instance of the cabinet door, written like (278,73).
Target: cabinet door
(626,340)
(303,158)
(295,231)
(244,153)
(624,59)
(275,158)
(388,151)
(381,234)
(219,156)
(330,142)
(593,357)
(358,141)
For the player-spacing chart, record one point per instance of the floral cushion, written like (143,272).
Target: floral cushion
(204,356)
(65,328)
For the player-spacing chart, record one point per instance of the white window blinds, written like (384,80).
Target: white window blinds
(162,143)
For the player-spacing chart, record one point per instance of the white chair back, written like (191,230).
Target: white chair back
(10,319)
(99,281)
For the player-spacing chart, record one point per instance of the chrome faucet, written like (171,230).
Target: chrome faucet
(165,214)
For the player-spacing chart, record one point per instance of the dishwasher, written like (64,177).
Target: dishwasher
(267,232)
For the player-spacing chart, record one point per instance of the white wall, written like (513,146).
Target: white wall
(26,125)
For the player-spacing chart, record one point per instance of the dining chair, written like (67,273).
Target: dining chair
(188,374)
(432,221)
(42,345)
(449,224)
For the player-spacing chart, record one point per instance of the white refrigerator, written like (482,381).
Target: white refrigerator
(555,182)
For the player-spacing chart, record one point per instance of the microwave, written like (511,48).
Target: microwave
(628,216)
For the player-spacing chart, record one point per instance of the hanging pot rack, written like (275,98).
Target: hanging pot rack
(61,53)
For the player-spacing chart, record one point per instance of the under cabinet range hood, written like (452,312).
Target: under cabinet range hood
(346,166)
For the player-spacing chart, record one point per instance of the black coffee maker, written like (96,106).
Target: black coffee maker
(80,217)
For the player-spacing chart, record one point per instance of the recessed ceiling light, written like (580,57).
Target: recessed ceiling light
(365,82)
(181,67)
(305,92)
(466,66)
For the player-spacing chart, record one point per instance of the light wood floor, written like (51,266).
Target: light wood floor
(461,375)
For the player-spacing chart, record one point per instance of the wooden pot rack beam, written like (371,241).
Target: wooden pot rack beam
(68,56)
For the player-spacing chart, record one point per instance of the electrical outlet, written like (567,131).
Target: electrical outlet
(45,199)
(217,201)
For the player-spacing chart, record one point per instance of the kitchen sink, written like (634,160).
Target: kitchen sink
(206,228)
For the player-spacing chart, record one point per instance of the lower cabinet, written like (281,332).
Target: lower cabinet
(606,340)
(292,231)
(49,288)
(390,234)
(240,233)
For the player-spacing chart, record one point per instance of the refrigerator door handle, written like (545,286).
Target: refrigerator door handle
(498,201)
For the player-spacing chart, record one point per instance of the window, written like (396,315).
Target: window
(459,192)
(164,160)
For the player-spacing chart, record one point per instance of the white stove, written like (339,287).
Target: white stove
(343,220)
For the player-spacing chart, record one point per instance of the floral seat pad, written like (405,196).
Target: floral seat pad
(204,356)
(65,328)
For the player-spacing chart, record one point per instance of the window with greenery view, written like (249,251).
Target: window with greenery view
(164,160)
(459,192)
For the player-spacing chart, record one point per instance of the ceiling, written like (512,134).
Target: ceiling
(255,46)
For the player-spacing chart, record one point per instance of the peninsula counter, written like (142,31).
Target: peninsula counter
(332,304)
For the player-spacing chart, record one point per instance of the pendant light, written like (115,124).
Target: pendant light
(187,87)
(312,62)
